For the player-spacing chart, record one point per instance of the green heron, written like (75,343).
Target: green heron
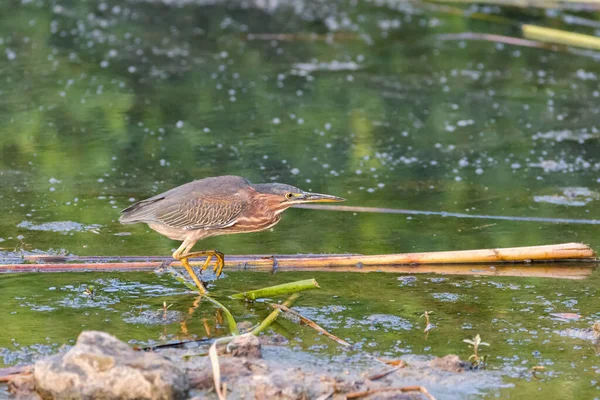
(216,206)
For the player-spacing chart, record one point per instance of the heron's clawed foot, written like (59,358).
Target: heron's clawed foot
(209,254)
(219,264)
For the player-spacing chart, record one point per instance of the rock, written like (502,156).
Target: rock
(451,363)
(247,345)
(101,366)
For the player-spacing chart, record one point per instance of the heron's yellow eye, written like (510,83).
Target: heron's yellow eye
(289,196)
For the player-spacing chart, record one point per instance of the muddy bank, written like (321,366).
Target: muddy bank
(101,366)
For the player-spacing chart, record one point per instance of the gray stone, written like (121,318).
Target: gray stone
(100,366)
(247,345)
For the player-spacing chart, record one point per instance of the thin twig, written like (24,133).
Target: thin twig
(8,374)
(513,41)
(312,324)
(449,214)
(380,375)
(405,389)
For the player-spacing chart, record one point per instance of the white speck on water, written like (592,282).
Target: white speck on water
(457,178)
(179,124)
(131,69)
(11,55)
(53,180)
(163,162)
(463,162)
(104,64)
(479,171)
(276,121)
(100,180)
(131,199)
(295,171)
(52,189)
(515,165)
(358,172)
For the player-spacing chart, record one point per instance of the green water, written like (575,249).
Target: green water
(105,102)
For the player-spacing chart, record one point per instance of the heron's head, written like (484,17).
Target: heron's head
(281,196)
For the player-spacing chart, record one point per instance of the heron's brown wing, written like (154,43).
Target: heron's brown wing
(208,203)
(201,212)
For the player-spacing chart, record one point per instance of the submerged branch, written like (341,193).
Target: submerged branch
(311,324)
(446,214)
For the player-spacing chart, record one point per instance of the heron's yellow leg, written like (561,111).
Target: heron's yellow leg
(188,268)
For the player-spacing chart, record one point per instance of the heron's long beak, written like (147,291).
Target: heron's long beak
(316,198)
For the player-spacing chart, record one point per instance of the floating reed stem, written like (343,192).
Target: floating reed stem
(277,290)
(560,37)
(493,262)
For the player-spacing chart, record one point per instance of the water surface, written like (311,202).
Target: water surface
(103,103)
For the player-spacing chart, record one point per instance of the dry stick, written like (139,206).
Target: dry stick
(273,316)
(311,323)
(277,290)
(405,389)
(216,369)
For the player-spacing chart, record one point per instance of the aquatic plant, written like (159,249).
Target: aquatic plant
(475,359)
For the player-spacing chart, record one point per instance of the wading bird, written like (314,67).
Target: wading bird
(220,205)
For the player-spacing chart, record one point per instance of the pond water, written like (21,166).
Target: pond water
(106,102)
